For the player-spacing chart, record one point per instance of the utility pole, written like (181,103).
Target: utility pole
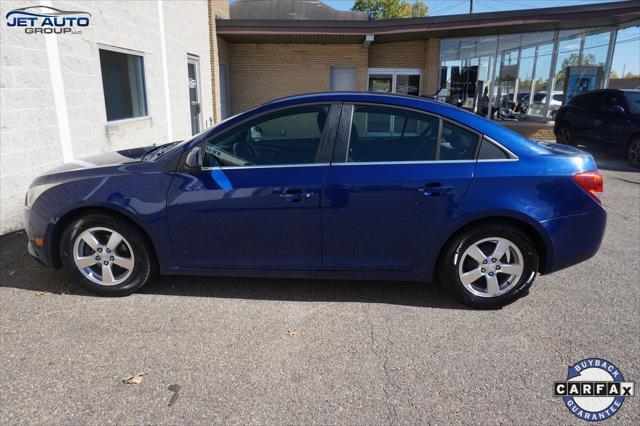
(470,6)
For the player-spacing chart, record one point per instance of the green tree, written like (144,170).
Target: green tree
(392,9)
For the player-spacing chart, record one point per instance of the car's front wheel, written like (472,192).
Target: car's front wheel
(565,134)
(489,265)
(633,151)
(106,255)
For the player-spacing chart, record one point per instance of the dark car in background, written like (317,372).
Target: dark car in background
(609,118)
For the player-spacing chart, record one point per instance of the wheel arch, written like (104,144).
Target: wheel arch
(537,235)
(74,214)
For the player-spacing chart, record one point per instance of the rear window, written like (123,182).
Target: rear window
(489,151)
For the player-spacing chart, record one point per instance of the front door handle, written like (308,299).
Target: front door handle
(435,188)
(295,195)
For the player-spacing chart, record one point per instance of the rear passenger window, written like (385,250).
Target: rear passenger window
(457,143)
(489,151)
(380,134)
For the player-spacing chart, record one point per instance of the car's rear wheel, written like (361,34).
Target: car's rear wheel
(565,134)
(489,265)
(633,151)
(106,255)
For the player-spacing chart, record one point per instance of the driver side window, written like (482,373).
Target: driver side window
(285,137)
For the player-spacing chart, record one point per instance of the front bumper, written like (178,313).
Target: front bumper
(38,228)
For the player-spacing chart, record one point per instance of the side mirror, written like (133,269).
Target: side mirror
(193,163)
(614,109)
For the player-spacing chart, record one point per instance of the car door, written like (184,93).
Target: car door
(615,121)
(396,178)
(588,116)
(256,202)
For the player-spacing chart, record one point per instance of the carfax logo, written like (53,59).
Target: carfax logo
(48,20)
(595,389)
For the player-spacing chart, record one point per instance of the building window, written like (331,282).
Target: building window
(123,83)
(392,80)
(343,78)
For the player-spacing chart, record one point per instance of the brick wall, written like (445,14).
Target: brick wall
(535,131)
(218,48)
(408,54)
(261,72)
(431,80)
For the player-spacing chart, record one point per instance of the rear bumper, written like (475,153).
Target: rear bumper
(574,238)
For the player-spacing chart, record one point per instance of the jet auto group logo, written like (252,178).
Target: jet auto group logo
(48,20)
(594,390)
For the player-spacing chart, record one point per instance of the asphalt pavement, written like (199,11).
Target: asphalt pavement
(269,351)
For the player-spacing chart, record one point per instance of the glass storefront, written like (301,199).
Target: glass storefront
(522,76)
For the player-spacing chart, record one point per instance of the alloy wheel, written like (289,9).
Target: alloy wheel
(103,256)
(565,135)
(491,267)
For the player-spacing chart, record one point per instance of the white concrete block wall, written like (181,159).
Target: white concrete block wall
(29,142)
(181,17)
(29,133)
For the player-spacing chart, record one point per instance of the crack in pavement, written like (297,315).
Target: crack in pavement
(384,358)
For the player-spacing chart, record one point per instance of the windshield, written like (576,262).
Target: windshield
(159,151)
(633,99)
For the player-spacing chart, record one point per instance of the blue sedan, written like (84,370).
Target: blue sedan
(329,185)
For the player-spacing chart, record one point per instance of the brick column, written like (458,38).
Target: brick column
(431,66)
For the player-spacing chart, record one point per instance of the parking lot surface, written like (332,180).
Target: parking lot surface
(258,351)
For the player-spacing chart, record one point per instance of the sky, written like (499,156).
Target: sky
(452,7)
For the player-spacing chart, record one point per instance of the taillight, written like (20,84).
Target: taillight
(590,182)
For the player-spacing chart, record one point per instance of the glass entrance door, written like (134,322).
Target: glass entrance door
(193,76)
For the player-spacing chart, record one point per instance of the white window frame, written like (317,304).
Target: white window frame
(126,51)
(395,72)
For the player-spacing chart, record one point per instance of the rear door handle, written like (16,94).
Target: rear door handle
(435,188)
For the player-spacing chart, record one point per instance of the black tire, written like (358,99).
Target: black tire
(633,151)
(452,256)
(143,264)
(565,134)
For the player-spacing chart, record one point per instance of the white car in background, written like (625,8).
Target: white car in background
(540,98)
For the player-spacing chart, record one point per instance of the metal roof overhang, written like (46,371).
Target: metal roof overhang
(477,24)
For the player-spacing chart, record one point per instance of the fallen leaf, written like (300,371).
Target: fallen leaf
(133,380)
(41,293)
(175,389)
(292,333)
